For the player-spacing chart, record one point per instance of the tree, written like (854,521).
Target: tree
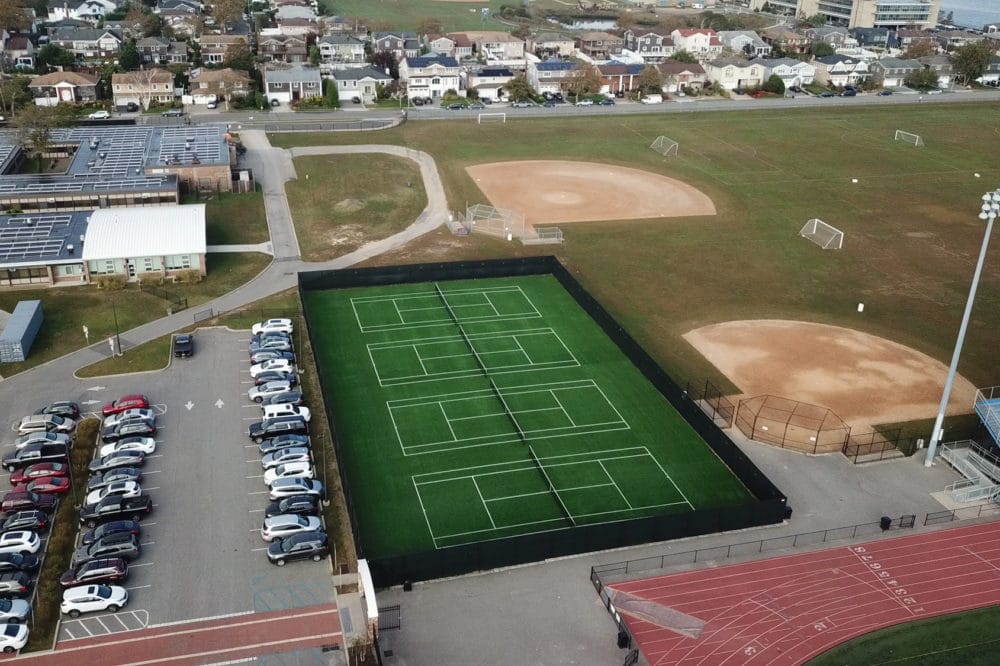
(685,56)
(970,61)
(314,55)
(815,21)
(650,80)
(774,84)
(13,16)
(429,26)
(14,93)
(586,79)
(35,125)
(194,48)
(518,88)
(227,11)
(383,61)
(920,48)
(239,56)
(129,58)
(140,22)
(922,79)
(332,94)
(820,49)
(51,56)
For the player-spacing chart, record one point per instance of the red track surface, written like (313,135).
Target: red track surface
(788,609)
(203,641)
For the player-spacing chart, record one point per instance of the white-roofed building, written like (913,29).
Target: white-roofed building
(146,243)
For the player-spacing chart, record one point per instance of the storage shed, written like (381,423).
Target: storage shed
(20,332)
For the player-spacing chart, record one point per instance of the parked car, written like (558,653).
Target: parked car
(476,106)
(212,105)
(282,456)
(38,471)
(275,102)
(11,611)
(89,598)
(268,354)
(123,488)
(103,570)
(116,507)
(173,113)
(34,453)
(183,345)
(522,104)
(22,500)
(456,106)
(849,93)
(278,344)
(294,486)
(274,376)
(312,545)
(117,459)
(285,525)
(14,584)
(301,469)
(826,93)
(132,401)
(607,101)
(283,442)
(127,429)
(99,115)
(134,414)
(20,541)
(45,423)
(274,365)
(123,545)
(304,505)
(145,444)
(18,562)
(585,102)
(64,408)
(283,398)
(885,92)
(112,527)
(267,389)
(13,636)
(35,520)
(32,437)
(271,325)
(115,474)
(258,432)
(284,410)
(47,485)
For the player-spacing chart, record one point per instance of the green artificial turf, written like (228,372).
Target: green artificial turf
(475,410)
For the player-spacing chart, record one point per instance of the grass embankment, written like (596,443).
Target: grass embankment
(152,355)
(235,219)
(62,540)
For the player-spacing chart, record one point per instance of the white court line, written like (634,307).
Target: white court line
(615,483)
(513,440)
(490,301)
(486,416)
(547,491)
(483,500)
(424,511)
(448,421)
(538,388)
(520,466)
(676,487)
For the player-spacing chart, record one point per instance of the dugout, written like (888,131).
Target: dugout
(770,506)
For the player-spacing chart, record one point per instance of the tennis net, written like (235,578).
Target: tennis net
(552,489)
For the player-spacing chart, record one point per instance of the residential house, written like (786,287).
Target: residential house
(458,45)
(290,84)
(834,35)
(90,11)
(430,76)
(143,87)
(991,77)
(678,75)
(18,52)
(745,42)
(295,11)
(599,45)
(953,39)
(489,82)
(550,75)
(732,73)
(892,72)
(871,37)
(161,51)
(64,87)
(788,41)
(88,44)
(341,51)
(943,66)
(359,83)
(223,83)
(904,38)
(298,27)
(282,48)
(498,46)
(213,47)
(195,6)
(400,44)
(184,17)
(792,71)
(652,47)
(551,44)
(619,78)
(702,43)
(840,70)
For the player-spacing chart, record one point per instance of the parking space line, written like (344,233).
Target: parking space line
(251,405)
(151,488)
(249,381)
(255,476)
(102,624)
(147,543)
(137,587)
(145,473)
(141,564)
(257,492)
(257,550)
(119,621)
(256,511)
(253,460)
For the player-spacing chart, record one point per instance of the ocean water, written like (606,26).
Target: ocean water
(972,13)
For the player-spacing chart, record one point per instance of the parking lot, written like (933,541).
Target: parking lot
(202,555)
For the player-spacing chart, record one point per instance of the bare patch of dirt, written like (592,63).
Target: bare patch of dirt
(349,206)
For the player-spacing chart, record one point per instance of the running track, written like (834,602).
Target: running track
(788,609)
(203,641)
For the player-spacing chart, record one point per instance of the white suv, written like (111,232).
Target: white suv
(278,411)
(91,598)
(272,326)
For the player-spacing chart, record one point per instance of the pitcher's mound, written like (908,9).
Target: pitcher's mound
(549,191)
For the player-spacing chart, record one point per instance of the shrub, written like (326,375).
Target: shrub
(112,282)
(188,276)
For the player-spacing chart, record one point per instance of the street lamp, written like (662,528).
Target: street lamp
(118,339)
(989,212)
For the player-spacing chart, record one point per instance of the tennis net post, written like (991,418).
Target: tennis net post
(552,489)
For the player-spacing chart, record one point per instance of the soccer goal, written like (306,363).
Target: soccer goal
(909,137)
(826,236)
(491,118)
(664,146)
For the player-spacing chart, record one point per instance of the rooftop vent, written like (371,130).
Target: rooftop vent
(69,249)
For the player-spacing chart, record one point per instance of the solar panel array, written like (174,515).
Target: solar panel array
(28,237)
(113,152)
(190,145)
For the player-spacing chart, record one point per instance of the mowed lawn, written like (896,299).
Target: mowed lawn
(507,411)
(912,235)
(407,14)
(337,209)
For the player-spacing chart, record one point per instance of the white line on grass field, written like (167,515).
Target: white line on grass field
(614,483)
(490,301)
(447,420)
(483,500)
(676,487)
(424,511)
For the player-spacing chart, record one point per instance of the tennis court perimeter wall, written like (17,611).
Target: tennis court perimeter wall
(770,507)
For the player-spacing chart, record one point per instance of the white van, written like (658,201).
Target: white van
(45,423)
(652,99)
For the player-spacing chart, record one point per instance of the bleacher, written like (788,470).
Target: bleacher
(988,408)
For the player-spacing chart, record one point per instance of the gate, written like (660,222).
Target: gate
(388,618)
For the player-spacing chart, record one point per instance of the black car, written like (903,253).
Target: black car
(116,460)
(18,562)
(282,442)
(30,454)
(302,505)
(607,101)
(112,475)
(116,507)
(285,398)
(108,570)
(134,428)
(112,527)
(262,430)
(183,345)
(456,106)
(275,376)
(173,113)
(30,519)
(14,584)
(312,545)
(123,545)
(65,408)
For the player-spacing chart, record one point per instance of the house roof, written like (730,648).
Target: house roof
(553,65)
(114,233)
(460,38)
(82,34)
(358,73)
(620,69)
(897,63)
(17,43)
(731,62)
(291,74)
(41,238)
(225,75)
(726,35)
(53,78)
(341,39)
(495,71)
(551,37)
(598,36)
(428,60)
(397,35)
(152,41)
(688,32)
(836,59)
(678,67)
(143,77)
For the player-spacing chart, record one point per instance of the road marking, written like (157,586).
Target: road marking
(257,550)
(137,587)
(257,492)
(97,388)
(219,403)
(143,564)
(255,476)
(188,405)
(256,511)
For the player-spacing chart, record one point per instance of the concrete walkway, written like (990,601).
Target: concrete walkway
(262,248)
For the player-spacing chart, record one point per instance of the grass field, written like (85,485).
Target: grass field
(476,410)
(407,14)
(912,236)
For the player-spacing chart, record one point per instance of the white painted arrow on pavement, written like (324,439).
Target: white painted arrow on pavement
(219,403)
(97,388)
(188,405)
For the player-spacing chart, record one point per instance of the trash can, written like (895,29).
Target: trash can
(885,523)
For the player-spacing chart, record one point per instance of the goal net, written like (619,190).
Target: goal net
(909,137)
(664,146)
(491,118)
(826,236)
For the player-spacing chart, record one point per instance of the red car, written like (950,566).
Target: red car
(19,500)
(136,400)
(38,471)
(48,485)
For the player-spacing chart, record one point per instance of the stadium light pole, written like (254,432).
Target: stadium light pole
(988,213)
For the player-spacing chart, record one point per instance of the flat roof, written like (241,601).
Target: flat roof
(42,238)
(114,233)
